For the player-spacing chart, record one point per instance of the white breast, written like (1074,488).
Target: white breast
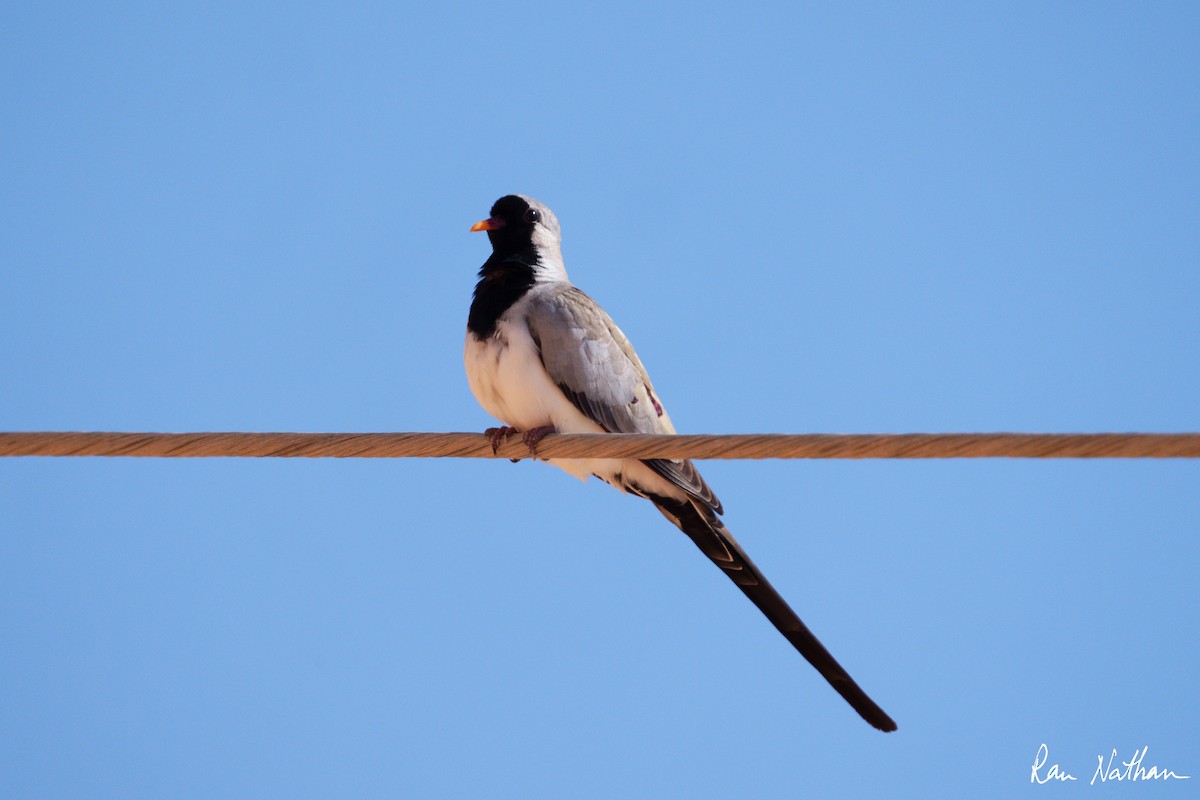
(507,377)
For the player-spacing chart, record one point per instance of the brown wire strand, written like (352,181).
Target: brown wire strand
(725,446)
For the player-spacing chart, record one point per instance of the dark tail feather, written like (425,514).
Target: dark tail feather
(716,542)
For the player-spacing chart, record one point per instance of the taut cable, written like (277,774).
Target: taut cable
(601,445)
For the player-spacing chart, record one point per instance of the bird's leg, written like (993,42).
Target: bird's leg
(535,435)
(497,435)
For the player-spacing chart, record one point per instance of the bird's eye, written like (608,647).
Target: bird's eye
(532,215)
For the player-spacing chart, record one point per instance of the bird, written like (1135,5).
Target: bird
(541,357)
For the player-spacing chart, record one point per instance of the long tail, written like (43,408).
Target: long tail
(716,542)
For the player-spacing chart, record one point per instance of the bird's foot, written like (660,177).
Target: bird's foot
(497,435)
(535,435)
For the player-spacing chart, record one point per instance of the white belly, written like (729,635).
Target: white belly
(508,379)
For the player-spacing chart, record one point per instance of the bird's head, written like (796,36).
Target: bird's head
(519,224)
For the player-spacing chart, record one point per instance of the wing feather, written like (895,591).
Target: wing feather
(595,366)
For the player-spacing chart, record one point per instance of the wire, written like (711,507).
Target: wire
(475,445)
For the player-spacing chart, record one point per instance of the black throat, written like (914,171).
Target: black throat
(503,280)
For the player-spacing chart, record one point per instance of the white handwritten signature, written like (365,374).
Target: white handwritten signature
(1133,769)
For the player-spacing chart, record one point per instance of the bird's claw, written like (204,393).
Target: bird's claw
(535,435)
(530,437)
(497,435)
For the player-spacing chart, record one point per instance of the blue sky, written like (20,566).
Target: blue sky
(850,218)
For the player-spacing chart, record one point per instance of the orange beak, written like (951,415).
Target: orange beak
(489,224)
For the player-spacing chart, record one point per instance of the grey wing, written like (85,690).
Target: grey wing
(594,365)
